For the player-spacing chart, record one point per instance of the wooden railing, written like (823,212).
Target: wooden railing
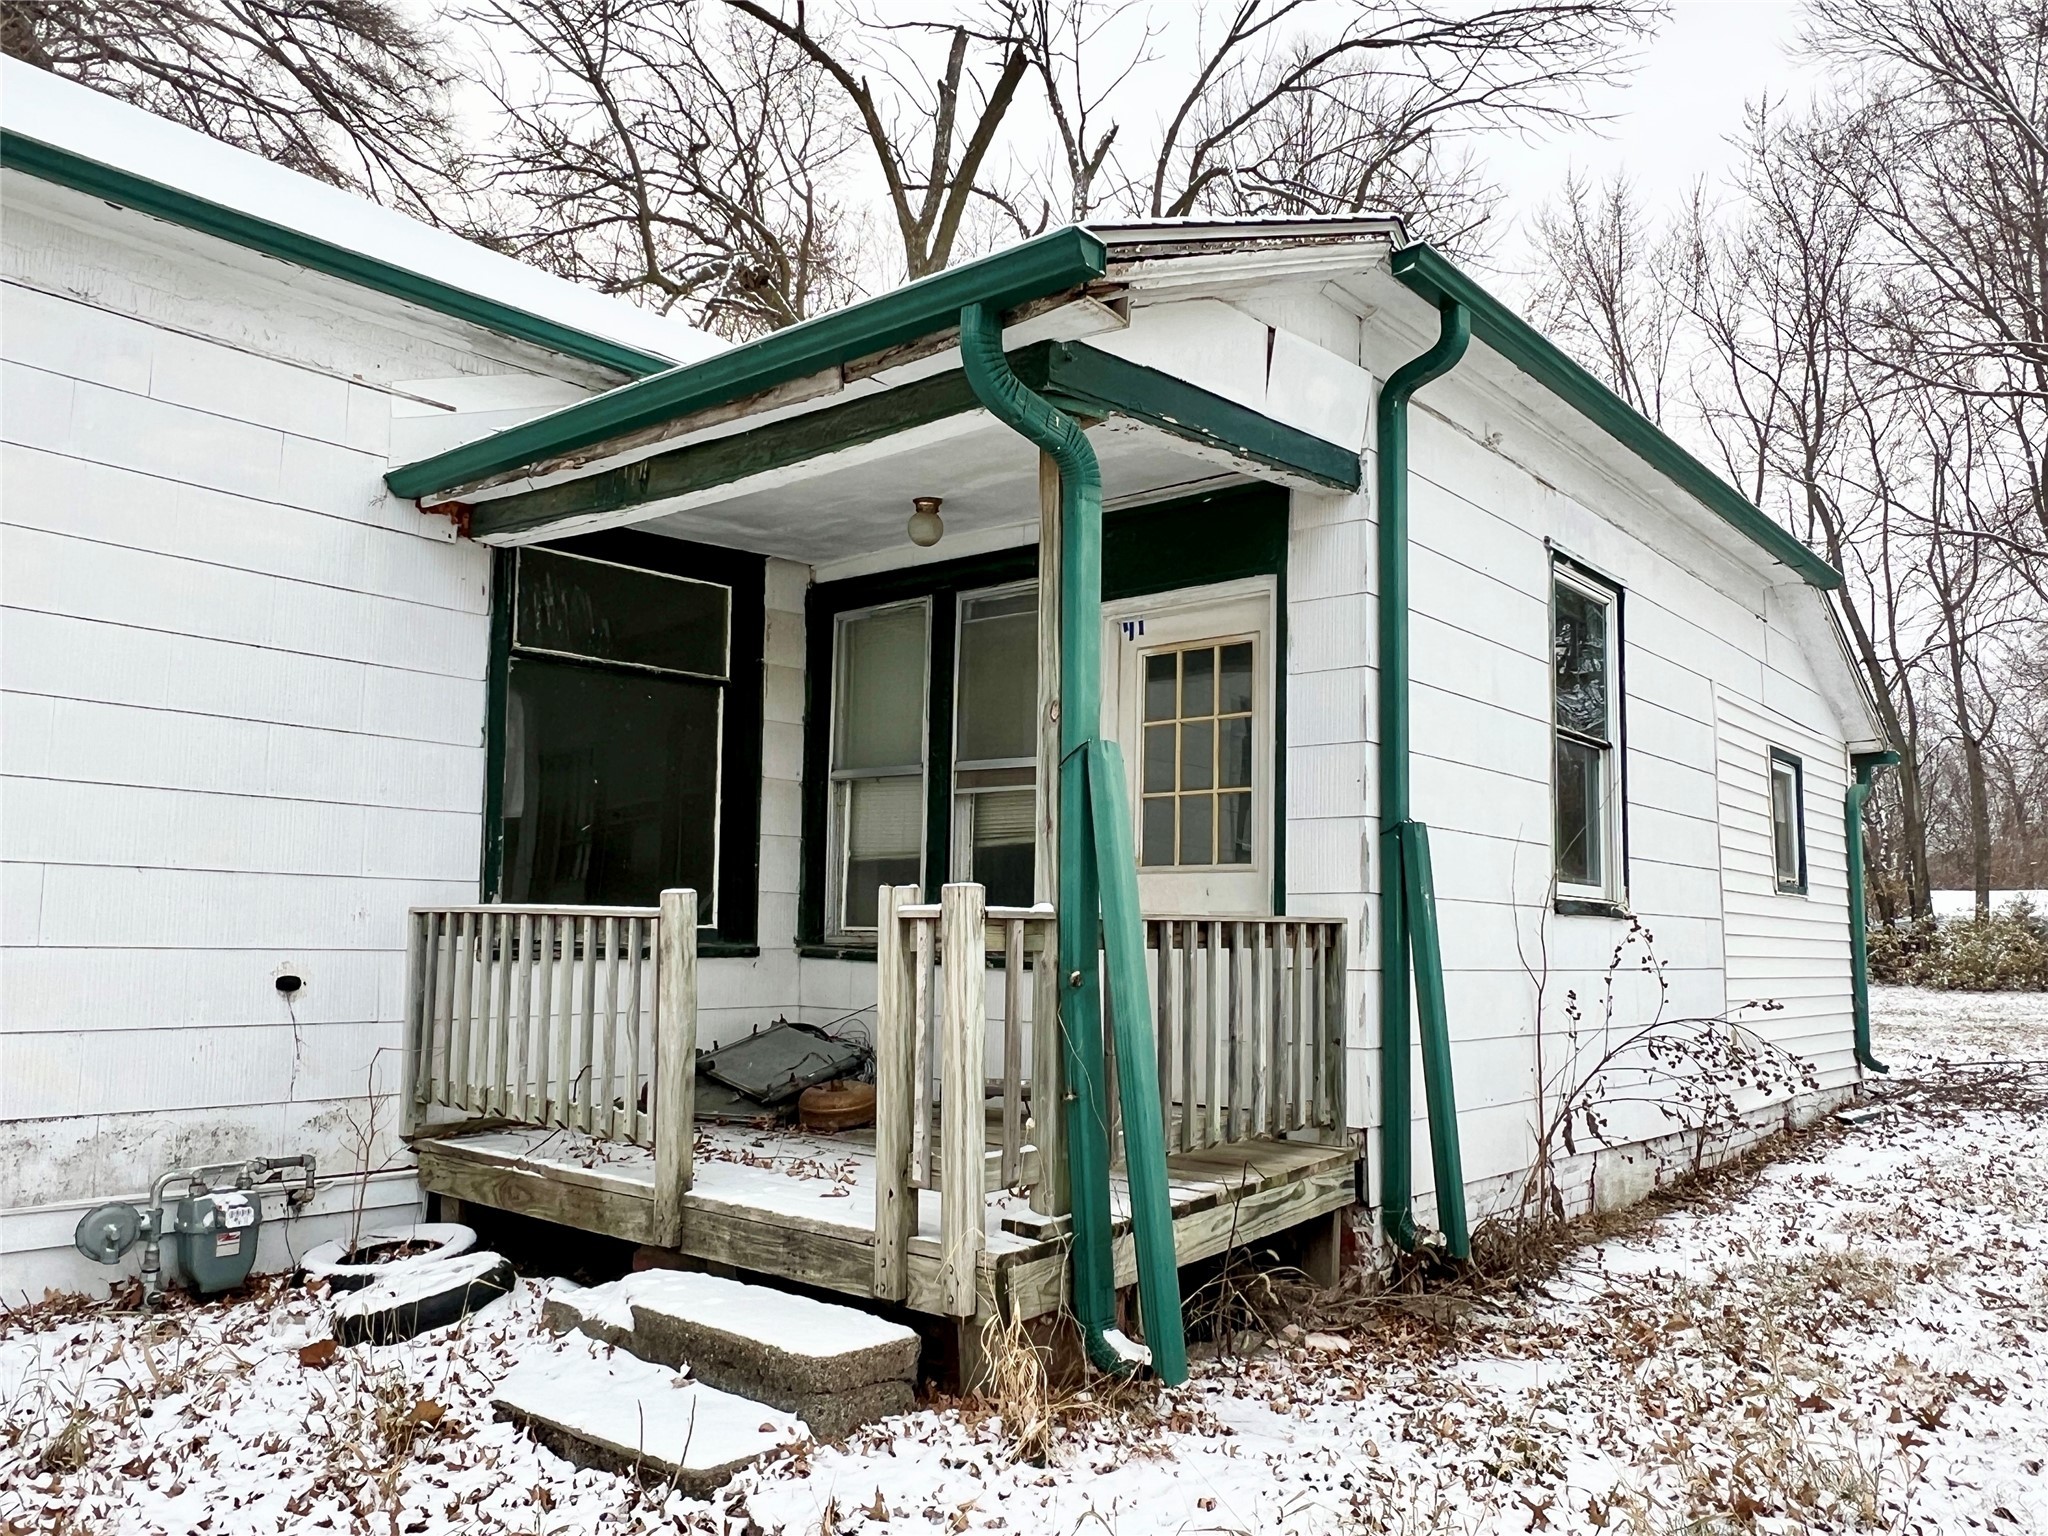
(1248,1028)
(932,1060)
(569,1018)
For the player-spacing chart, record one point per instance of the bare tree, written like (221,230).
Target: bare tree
(350,91)
(1955,157)
(932,146)
(673,154)
(1611,286)
(1384,90)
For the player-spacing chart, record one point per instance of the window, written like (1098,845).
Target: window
(968,802)
(995,744)
(1585,645)
(1196,783)
(616,681)
(1788,822)
(878,753)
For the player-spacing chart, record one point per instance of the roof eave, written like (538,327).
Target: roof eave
(1429,274)
(1053,263)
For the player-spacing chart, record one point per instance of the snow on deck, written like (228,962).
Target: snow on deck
(1855,1340)
(811,1179)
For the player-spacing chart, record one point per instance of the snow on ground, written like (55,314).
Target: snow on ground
(1853,1337)
(1962,903)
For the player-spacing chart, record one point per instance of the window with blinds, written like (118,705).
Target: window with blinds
(878,758)
(995,744)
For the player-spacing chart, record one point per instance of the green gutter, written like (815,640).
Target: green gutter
(45,162)
(1436,280)
(1407,894)
(1866,765)
(1098,902)
(1037,269)
(1079,379)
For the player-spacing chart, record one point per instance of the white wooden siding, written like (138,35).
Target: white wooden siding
(241,714)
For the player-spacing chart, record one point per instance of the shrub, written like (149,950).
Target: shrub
(2005,950)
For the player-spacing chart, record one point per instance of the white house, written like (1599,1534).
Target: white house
(351,572)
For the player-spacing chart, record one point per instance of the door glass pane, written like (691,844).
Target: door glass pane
(615,613)
(1183,820)
(1197,683)
(1234,685)
(1579,813)
(1234,752)
(1003,823)
(1579,647)
(616,780)
(997,708)
(1234,829)
(1159,690)
(1158,832)
(1197,753)
(884,820)
(1195,828)
(1158,759)
(879,716)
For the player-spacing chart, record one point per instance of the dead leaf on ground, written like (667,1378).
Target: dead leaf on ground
(317,1356)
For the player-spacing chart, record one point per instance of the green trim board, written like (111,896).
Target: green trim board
(739,821)
(1050,264)
(1222,535)
(48,163)
(1429,274)
(1081,377)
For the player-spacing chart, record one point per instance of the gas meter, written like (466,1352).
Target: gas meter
(212,1232)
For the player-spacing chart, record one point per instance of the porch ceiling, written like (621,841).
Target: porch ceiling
(836,483)
(830,509)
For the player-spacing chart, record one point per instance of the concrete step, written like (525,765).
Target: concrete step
(603,1408)
(834,1367)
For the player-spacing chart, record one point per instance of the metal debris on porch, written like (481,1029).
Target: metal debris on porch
(773,1066)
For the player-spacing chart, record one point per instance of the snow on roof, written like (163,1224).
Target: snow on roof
(1203,229)
(38,105)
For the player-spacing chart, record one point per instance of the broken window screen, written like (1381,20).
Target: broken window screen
(1195,783)
(1585,771)
(995,713)
(613,732)
(878,757)
(611,785)
(571,605)
(1788,822)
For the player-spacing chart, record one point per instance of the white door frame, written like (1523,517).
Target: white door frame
(1132,627)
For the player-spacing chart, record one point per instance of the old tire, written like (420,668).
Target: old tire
(330,1261)
(405,1305)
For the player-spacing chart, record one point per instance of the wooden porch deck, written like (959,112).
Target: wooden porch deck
(789,1205)
(551,1054)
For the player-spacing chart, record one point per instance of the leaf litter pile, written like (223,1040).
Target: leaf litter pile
(1850,1336)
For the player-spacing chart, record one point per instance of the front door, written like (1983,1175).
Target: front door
(1189,689)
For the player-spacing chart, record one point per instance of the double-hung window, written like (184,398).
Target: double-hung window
(878,757)
(1585,651)
(1788,822)
(995,744)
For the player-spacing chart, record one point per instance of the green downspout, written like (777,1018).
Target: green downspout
(1866,765)
(1407,899)
(1092,812)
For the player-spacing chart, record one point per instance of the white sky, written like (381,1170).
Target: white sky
(1671,126)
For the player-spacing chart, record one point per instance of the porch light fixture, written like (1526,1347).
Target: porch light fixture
(926,526)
